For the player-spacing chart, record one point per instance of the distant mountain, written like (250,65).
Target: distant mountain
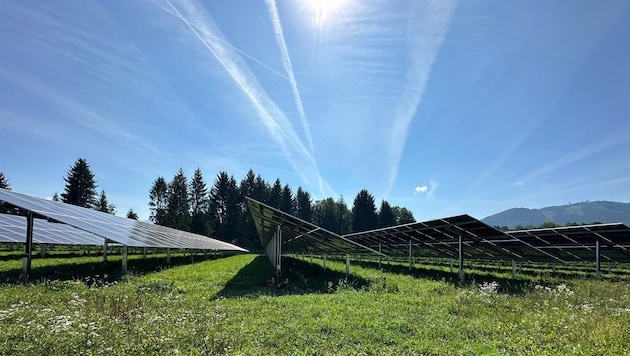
(584,212)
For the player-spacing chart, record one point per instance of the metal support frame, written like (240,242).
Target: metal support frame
(451,264)
(124,259)
(380,257)
(513,270)
(28,249)
(347,266)
(410,256)
(44,250)
(144,253)
(274,252)
(168,256)
(104,250)
(461,258)
(598,271)
(324,261)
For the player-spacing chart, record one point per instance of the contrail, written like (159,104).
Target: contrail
(286,62)
(428,36)
(275,120)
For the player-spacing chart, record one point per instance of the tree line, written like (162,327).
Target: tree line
(221,211)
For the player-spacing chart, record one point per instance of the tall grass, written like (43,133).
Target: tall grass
(225,306)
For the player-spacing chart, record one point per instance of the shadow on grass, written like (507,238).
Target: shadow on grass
(255,279)
(98,271)
(507,285)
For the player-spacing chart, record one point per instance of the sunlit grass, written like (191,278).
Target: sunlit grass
(225,306)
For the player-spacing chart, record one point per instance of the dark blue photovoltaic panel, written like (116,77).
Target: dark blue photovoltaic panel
(116,229)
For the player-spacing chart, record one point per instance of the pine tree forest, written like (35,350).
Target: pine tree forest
(220,209)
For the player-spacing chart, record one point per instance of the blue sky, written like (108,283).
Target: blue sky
(444,107)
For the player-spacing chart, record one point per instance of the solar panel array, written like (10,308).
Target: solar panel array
(440,238)
(299,236)
(578,243)
(91,223)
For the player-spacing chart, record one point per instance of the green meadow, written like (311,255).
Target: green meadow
(224,305)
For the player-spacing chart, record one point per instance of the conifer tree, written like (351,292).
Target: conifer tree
(304,205)
(80,186)
(386,216)
(287,202)
(4,182)
(178,207)
(199,204)
(364,216)
(104,205)
(225,208)
(158,203)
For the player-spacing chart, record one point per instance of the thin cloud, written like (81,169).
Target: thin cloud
(286,62)
(203,28)
(427,37)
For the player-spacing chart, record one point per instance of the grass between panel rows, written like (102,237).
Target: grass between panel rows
(224,306)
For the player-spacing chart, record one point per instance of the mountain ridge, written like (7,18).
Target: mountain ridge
(583,212)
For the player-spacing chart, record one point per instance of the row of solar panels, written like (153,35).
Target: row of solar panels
(440,238)
(62,223)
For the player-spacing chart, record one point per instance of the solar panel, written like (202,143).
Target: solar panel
(13,229)
(440,238)
(578,243)
(299,236)
(117,229)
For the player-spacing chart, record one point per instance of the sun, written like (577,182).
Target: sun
(325,12)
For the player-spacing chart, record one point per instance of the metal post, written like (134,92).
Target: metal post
(43,251)
(168,256)
(380,258)
(279,253)
(104,250)
(347,266)
(410,256)
(124,260)
(311,259)
(451,265)
(461,258)
(609,267)
(144,253)
(513,270)
(324,261)
(553,267)
(597,261)
(28,249)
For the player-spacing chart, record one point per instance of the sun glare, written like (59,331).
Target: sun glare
(325,12)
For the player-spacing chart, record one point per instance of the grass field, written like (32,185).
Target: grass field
(223,306)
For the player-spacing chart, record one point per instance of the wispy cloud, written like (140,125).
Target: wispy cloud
(286,62)
(202,27)
(616,138)
(425,40)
